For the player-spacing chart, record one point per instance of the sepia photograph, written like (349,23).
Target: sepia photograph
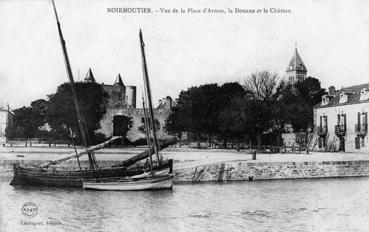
(174,115)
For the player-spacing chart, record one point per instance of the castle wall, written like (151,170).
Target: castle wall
(137,114)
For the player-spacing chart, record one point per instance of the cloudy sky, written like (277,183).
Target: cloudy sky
(182,49)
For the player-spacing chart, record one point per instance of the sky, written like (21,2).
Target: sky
(183,49)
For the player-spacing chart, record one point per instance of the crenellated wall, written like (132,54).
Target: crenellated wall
(137,114)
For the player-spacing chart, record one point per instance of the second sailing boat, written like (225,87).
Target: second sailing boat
(148,181)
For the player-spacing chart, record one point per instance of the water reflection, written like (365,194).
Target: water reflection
(300,205)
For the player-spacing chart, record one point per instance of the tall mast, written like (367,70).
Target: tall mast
(148,94)
(81,122)
(147,130)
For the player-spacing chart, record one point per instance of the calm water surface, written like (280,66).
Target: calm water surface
(300,205)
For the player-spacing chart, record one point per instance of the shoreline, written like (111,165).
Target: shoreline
(206,166)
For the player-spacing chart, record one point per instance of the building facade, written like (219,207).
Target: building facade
(341,120)
(6,121)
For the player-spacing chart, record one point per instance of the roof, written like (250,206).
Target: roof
(119,81)
(353,97)
(4,109)
(296,63)
(89,76)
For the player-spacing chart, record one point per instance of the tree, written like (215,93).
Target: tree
(295,103)
(61,112)
(122,124)
(174,125)
(197,111)
(261,88)
(142,128)
(261,85)
(232,121)
(204,110)
(40,106)
(311,90)
(231,115)
(26,123)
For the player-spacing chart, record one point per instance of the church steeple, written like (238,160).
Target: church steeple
(296,70)
(119,81)
(89,76)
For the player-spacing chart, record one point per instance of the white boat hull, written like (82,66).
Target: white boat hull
(155,183)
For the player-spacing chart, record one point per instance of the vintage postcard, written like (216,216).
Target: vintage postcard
(143,115)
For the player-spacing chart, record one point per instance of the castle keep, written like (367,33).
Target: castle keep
(120,96)
(122,102)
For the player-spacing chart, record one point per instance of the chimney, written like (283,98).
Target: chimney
(331,90)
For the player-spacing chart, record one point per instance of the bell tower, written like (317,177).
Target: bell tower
(296,70)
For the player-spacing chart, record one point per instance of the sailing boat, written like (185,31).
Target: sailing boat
(42,175)
(147,181)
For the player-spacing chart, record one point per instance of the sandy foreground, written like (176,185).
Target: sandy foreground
(183,157)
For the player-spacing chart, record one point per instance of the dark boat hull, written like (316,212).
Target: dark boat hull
(73,178)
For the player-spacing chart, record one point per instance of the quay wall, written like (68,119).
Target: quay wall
(246,170)
(238,170)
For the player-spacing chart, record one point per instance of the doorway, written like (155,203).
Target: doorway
(118,125)
(342,144)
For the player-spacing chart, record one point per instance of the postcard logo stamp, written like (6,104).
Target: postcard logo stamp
(29,209)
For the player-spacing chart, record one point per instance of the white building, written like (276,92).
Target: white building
(6,120)
(341,120)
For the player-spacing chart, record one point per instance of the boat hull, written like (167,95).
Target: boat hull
(156,183)
(73,178)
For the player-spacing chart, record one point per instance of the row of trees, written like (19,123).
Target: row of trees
(58,112)
(260,108)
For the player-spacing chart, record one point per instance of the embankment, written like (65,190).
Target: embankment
(242,170)
(248,170)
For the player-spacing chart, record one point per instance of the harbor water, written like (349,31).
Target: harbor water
(335,204)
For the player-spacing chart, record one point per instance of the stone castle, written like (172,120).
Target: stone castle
(122,102)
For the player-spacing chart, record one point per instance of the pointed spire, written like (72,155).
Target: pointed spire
(89,76)
(296,62)
(119,81)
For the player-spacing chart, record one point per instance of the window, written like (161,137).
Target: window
(341,119)
(321,142)
(357,142)
(325,100)
(364,94)
(343,98)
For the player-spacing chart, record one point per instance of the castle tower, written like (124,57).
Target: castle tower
(118,81)
(131,96)
(118,93)
(89,76)
(296,70)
